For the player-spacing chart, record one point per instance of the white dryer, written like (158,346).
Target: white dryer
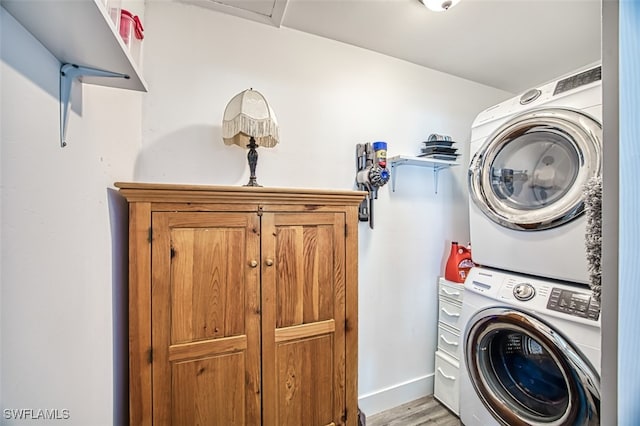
(531,352)
(531,157)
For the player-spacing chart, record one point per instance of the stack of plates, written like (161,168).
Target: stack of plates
(439,149)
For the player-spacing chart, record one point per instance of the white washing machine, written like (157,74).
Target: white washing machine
(531,157)
(531,352)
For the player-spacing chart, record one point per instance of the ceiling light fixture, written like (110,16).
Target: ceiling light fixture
(439,5)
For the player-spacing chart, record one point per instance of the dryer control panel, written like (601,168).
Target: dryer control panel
(574,303)
(577,80)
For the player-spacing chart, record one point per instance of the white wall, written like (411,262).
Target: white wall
(62,248)
(328,97)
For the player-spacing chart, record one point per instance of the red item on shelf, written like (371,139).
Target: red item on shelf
(130,25)
(458,264)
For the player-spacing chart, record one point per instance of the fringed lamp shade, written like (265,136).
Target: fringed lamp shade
(248,114)
(250,122)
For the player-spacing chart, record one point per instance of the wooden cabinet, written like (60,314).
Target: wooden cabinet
(447,383)
(242,305)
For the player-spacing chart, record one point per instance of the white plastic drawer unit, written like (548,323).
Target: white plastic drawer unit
(450,290)
(449,340)
(449,313)
(447,383)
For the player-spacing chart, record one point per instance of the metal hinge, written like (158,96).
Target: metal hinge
(150,355)
(150,235)
(345,230)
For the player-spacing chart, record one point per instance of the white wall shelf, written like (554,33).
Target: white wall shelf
(82,36)
(81,33)
(407,160)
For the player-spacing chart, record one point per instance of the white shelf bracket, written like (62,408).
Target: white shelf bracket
(394,165)
(69,72)
(436,171)
(400,160)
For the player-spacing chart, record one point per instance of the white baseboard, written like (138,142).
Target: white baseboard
(395,395)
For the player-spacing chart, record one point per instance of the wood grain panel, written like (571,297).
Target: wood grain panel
(205,391)
(306,273)
(140,401)
(161,315)
(305,330)
(181,286)
(207,220)
(311,284)
(309,387)
(206,311)
(218,206)
(269,302)
(351,314)
(321,306)
(290,273)
(302,220)
(341,406)
(207,264)
(207,348)
(305,371)
(189,194)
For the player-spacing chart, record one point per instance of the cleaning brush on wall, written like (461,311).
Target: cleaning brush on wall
(592,193)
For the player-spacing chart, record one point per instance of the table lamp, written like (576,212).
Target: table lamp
(250,122)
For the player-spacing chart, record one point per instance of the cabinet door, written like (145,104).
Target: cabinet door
(303,299)
(205,301)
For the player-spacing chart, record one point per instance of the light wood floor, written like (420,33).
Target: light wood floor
(424,411)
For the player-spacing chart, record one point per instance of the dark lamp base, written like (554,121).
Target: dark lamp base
(252,182)
(252,158)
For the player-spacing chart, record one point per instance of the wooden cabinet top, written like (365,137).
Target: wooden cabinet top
(172,193)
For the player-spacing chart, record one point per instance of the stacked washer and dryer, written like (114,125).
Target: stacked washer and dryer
(531,324)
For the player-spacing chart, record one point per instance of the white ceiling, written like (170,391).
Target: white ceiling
(511,45)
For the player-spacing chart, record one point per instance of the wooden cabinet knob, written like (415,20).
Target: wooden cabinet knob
(253,263)
(269,262)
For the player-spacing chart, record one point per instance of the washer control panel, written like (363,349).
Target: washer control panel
(524,291)
(574,303)
(533,294)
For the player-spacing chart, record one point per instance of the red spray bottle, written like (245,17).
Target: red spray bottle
(458,264)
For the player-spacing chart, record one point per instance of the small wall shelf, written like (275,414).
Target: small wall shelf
(79,33)
(83,38)
(407,160)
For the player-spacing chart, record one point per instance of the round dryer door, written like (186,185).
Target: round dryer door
(530,173)
(526,373)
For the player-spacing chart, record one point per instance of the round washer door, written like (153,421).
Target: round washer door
(530,173)
(526,373)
